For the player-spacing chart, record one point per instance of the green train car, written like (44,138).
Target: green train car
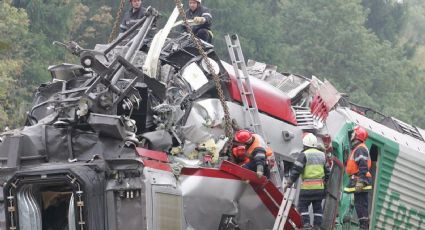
(397,151)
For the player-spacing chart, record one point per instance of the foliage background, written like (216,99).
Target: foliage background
(372,50)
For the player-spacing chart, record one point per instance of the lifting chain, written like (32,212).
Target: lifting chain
(228,123)
(117,22)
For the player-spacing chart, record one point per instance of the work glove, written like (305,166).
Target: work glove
(199,20)
(288,185)
(260,171)
(359,186)
(270,162)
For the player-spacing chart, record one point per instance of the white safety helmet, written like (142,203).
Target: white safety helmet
(310,140)
(200,1)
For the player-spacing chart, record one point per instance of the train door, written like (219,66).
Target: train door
(374,156)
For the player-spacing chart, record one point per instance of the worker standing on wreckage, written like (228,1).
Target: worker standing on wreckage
(311,165)
(202,20)
(133,15)
(251,152)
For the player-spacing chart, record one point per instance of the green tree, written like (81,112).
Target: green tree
(333,43)
(14,25)
(386,18)
(350,42)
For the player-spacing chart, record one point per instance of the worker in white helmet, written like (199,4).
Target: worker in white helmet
(311,166)
(202,19)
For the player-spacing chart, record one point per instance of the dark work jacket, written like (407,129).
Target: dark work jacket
(361,156)
(130,18)
(201,11)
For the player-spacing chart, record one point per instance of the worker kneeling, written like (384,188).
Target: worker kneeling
(251,152)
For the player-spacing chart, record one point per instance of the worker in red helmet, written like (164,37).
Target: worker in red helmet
(311,166)
(251,152)
(358,169)
(133,15)
(202,19)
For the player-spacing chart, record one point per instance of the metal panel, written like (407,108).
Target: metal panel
(71,213)
(402,205)
(333,194)
(216,197)
(29,212)
(126,204)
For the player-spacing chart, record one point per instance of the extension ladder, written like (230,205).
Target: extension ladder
(252,116)
(246,92)
(285,206)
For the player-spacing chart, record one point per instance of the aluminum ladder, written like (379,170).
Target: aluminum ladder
(252,115)
(247,94)
(285,206)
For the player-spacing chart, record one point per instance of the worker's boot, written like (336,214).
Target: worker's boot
(364,225)
(316,227)
(351,187)
(307,227)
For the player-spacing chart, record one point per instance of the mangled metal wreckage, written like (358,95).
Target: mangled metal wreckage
(133,138)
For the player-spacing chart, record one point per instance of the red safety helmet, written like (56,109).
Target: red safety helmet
(360,133)
(243,136)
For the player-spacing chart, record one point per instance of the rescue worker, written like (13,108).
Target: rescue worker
(311,165)
(358,169)
(133,15)
(251,152)
(202,19)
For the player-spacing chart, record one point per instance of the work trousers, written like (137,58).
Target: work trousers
(361,202)
(204,34)
(317,210)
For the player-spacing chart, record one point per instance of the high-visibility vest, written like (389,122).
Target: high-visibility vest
(314,171)
(353,167)
(259,142)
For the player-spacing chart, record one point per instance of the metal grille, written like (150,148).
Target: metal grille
(168,211)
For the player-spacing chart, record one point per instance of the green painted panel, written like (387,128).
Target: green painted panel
(388,153)
(341,149)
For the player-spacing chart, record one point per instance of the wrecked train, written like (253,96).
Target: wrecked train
(134,138)
(109,145)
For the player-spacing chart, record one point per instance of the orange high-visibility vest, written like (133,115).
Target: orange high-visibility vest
(259,143)
(353,167)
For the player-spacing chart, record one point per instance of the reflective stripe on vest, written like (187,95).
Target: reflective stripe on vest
(353,167)
(314,171)
(259,143)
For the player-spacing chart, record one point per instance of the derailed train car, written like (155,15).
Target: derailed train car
(106,146)
(397,151)
(133,138)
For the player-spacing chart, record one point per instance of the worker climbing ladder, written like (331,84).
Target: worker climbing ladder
(285,207)
(247,95)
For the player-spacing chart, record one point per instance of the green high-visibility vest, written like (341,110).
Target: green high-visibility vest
(314,171)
